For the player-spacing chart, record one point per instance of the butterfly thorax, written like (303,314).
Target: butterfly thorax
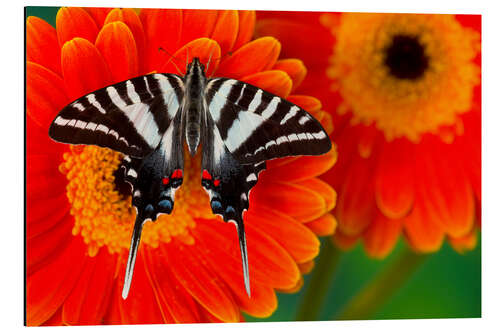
(193,106)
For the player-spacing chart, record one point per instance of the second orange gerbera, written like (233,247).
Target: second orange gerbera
(404,91)
(79,220)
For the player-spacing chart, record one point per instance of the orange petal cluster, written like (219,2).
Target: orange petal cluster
(427,190)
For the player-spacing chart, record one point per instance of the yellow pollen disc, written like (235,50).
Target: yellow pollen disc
(403,107)
(104,217)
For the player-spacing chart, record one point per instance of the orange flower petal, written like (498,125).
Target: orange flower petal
(422,232)
(47,289)
(45,95)
(133,22)
(464,243)
(74,22)
(77,54)
(92,297)
(293,236)
(246,27)
(274,81)
(42,46)
(263,53)
(394,187)
(55,320)
(381,236)
(297,201)
(270,264)
(141,306)
(113,316)
(87,304)
(42,215)
(308,103)
(156,23)
(355,206)
(343,241)
(294,68)
(117,46)
(203,48)
(176,301)
(198,23)
(226,30)
(37,140)
(368,139)
(45,247)
(323,226)
(323,189)
(98,14)
(295,288)
(448,190)
(200,281)
(300,168)
(306,267)
(263,301)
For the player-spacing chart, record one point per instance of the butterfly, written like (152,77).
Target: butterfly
(150,117)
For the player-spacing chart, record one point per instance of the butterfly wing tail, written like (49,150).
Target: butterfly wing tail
(244,257)
(132,254)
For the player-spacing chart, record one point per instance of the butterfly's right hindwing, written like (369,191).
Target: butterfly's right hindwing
(130,117)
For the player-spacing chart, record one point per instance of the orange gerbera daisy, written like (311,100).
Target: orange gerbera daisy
(79,219)
(404,91)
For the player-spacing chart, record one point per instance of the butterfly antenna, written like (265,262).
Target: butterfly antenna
(173,62)
(244,257)
(132,254)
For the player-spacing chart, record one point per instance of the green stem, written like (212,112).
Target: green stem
(378,291)
(320,282)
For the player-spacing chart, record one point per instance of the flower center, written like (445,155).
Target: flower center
(102,207)
(407,74)
(406,57)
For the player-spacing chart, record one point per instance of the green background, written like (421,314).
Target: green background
(447,285)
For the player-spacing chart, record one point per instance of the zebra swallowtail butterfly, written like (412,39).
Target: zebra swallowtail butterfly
(147,118)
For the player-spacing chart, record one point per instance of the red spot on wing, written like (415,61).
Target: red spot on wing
(216,182)
(177,173)
(165,180)
(206,175)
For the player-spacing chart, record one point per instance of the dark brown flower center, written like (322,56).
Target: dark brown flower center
(406,58)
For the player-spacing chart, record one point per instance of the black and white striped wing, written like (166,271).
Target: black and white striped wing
(129,117)
(228,184)
(256,125)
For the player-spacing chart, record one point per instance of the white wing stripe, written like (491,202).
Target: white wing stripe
(219,99)
(79,106)
(241,129)
(115,97)
(95,103)
(290,114)
(271,108)
(165,86)
(257,99)
(303,120)
(61,121)
(144,122)
(147,87)
(132,94)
